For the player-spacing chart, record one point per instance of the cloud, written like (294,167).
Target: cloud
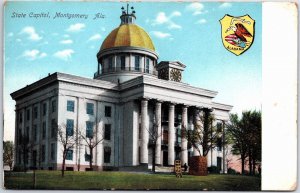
(103,29)
(42,55)
(197,8)
(95,37)
(66,35)
(10,34)
(225,5)
(64,54)
(54,34)
(201,21)
(33,54)
(163,19)
(66,41)
(76,27)
(160,35)
(32,35)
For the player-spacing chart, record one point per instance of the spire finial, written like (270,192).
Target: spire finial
(126,17)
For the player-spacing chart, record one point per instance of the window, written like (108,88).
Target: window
(136,63)
(122,62)
(90,108)
(69,155)
(44,130)
(110,63)
(107,131)
(70,127)
(20,117)
(35,112)
(178,133)
(147,65)
(52,151)
(53,104)
(34,132)
(89,129)
(107,152)
(70,106)
(43,153)
(53,128)
(20,135)
(44,109)
(219,144)
(27,132)
(28,115)
(107,111)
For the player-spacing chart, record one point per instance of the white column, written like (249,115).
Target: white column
(158,141)
(144,130)
(184,152)
(195,121)
(171,136)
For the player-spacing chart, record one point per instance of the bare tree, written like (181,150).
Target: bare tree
(205,134)
(154,136)
(79,144)
(68,140)
(8,153)
(24,148)
(92,139)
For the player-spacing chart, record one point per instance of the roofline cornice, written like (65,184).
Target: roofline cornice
(222,106)
(178,86)
(56,77)
(127,49)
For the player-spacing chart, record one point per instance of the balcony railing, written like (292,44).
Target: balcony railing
(124,69)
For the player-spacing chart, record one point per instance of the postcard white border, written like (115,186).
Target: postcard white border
(279,108)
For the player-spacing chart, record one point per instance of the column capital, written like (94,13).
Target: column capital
(185,106)
(157,101)
(144,99)
(171,103)
(144,103)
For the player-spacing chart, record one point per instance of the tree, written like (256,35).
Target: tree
(92,139)
(245,134)
(154,136)
(205,134)
(8,153)
(25,147)
(68,140)
(252,123)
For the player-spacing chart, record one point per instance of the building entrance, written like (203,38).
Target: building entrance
(165,158)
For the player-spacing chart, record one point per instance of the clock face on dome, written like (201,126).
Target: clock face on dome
(163,74)
(175,75)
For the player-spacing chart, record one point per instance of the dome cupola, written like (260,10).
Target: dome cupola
(127,51)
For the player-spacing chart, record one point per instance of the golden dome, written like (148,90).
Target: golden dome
(128,35)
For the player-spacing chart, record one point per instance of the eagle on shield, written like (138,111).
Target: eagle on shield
(237,33)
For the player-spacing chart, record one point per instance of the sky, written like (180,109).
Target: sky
(188,32)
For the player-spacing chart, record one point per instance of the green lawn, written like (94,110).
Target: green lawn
(131,181)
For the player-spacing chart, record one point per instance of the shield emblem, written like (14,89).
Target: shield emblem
(237,33)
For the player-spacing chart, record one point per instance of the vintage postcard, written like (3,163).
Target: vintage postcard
(145,95)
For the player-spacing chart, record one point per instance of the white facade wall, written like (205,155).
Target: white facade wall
(125,119)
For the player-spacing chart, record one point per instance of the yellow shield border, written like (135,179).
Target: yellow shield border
(253,35)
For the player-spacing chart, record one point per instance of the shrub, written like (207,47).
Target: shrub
(231,171)
(18,169)
(213,170)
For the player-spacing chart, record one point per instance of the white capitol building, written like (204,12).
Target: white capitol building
(130,91)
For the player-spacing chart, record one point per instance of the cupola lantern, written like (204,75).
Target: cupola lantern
(126,17)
